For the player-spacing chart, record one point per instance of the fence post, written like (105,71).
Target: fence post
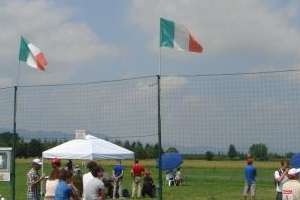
(13,170)
(160,183)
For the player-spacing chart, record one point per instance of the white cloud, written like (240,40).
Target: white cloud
(225,27)
(65,42)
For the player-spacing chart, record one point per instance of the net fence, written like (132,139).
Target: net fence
(113,110)
(199,113)
(210,112)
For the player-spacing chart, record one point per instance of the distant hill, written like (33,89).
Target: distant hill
(27,135)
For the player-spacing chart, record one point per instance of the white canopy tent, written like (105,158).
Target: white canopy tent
(89,148)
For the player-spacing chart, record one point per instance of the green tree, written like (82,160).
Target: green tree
(232,153)
(259,151)
(209,155)
(35,148)
(172,150)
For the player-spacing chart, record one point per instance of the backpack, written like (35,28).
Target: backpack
(280,173)
(125,193)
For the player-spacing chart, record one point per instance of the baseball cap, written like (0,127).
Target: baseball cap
(294,171)
(37,161)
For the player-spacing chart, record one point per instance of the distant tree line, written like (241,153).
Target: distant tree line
(35,147)
(258,151)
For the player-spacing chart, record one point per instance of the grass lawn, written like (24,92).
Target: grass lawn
(204,180)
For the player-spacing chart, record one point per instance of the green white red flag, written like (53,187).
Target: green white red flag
(32,55)
(177,36)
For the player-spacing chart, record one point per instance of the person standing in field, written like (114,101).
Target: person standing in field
(88,176)
(118,172)
(51,185)
(137,172)
(280,177)
(95,187)
(250,180)
(291,188)
(33,180)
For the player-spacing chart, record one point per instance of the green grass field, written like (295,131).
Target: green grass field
(204,180)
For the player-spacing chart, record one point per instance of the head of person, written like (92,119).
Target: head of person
(55,163)
(147,173)
(179,168)
(91,165)
(64,175)
(77,170)
(284,164)
(118,162)
(97,172)
(136,161)
(249,159)
(293,174)
(36,164)
(69,165)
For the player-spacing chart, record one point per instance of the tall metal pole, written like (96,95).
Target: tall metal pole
(160,183)
(13,171)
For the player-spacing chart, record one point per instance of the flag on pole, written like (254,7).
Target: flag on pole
(177,36)
(32,55)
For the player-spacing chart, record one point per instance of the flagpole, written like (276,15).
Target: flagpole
(159,62)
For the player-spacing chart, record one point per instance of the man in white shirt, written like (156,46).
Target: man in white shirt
(291,188)
(88,176)
(280,177)
(95,187)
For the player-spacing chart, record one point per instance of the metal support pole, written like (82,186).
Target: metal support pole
(160,183)
(13,170)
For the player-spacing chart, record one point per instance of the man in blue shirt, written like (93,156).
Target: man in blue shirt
(118,171)
(250,174)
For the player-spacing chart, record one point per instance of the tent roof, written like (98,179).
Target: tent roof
(90,148)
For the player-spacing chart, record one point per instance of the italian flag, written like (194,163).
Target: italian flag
(32,55)
(177,36)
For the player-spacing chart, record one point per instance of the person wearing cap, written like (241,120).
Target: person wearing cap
(148,185)
(291,188)
(280,177)
(137,172)
(250,182)
(117,176)
(33,180)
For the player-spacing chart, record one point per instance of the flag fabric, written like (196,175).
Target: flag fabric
(177,36)
(32,55)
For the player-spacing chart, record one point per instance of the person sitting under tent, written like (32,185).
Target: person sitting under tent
(170,177)
(178,177)
(148,186)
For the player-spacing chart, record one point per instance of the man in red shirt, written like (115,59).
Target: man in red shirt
(137,172)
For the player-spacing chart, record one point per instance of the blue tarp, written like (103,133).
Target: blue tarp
(170,161)
(295,161)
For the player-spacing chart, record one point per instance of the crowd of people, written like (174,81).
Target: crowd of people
(67,182)
(287,183)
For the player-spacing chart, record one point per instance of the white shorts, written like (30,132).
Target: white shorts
(249,189)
